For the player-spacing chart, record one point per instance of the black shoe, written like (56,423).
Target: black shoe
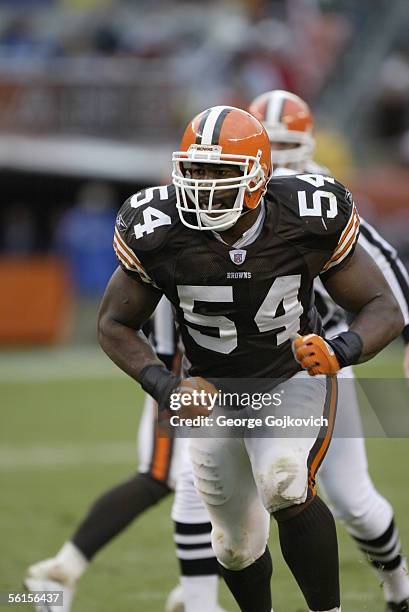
(403,606)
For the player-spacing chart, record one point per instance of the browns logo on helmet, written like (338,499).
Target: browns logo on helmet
(289,123)
(233,138)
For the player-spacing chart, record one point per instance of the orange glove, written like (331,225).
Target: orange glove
(315,355)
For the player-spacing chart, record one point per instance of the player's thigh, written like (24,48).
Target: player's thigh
(224,480)
(284,467)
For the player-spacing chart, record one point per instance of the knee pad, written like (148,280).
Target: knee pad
(283,483)
(237,554)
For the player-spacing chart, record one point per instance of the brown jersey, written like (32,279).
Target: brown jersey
(238,309)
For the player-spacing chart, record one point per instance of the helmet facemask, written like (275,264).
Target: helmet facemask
(197,198)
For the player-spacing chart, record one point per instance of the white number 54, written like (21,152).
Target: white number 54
(314,209)
(152,217)
(284,290)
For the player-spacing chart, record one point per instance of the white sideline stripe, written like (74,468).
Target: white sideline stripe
(36,456)
(37,375)
(56,363)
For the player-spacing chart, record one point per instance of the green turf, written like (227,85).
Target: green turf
(68,423)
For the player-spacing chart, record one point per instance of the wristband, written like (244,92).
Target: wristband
(347,347)
(159,383)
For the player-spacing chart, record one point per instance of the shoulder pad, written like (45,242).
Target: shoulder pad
(315,203)
(146,218)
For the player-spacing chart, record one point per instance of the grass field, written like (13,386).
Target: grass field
(68,423)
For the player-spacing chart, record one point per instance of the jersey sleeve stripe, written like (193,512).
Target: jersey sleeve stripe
(124,258)
(120,250)
(345,246)
(340,257)
(349,224)
(341,253)
(351,239)
(349,232)
(126,249)
(130,264)
(331,264)
(346,234)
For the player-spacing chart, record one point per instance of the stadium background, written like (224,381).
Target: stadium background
(93,98)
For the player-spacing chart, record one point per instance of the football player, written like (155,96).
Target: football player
(186,241)
(367,515)
(160,461)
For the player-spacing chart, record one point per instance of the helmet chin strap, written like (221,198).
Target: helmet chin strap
(223,218)
(210,221)
(243,213)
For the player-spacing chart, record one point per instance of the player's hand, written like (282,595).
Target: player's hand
(406,363)
(191,397)
(315,355)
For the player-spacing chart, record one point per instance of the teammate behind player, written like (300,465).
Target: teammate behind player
(367,516)
(220,186)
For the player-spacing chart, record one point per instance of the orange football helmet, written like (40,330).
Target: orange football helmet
(288,120)
(221,135)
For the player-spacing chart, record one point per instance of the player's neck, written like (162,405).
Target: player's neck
(244,223)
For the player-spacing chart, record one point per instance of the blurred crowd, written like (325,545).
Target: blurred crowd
(153,64)
(238,47)
(190,55)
